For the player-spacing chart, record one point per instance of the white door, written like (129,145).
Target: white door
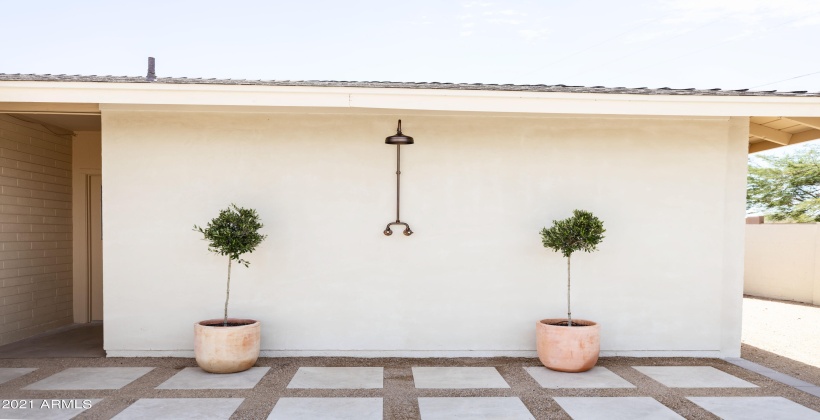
(95,238)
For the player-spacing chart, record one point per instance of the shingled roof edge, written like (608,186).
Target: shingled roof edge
(403,85)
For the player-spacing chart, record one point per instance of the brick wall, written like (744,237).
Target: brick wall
(35,216)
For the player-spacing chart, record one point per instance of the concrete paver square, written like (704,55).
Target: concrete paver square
(181,409)
(767,372)
(338,378)
(473,408)
(7,374)
(616,408)
(597,377)
(458,377)
(693,377)
(813,390)
(196,378)
(91,378)
(53,409)
(327,409)
(752,408)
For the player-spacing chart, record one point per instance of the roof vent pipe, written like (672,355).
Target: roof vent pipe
(152,75)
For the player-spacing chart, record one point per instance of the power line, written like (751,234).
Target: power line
(791,78)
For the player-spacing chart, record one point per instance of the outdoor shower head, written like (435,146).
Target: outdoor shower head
(398,138)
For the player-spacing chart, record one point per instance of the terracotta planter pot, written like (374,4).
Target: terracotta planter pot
(568,349)
(221,349)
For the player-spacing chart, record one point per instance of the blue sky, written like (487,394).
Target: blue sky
(728,44)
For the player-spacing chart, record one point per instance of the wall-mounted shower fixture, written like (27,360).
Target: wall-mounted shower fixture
(398,139)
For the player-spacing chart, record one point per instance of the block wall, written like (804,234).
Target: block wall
(36,234)
(781,261)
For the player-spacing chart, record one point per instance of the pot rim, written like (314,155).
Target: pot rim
(217,323)
(582,323)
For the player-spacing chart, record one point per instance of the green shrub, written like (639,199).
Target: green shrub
(581,232)
(233,233)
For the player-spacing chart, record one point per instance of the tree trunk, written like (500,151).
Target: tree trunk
(227,294)
(569,312)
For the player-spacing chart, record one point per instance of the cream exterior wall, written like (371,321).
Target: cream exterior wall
(87,160)
(781,262)
(36,228)
(473,279)
(734,204)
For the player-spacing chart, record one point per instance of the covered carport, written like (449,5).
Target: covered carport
(767,133)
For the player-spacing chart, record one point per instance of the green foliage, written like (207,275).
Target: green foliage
(785,188)
(233,233)
(581,232)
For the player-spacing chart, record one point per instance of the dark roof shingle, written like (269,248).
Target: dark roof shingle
(405,85)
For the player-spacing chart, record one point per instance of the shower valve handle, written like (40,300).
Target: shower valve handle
(407,231)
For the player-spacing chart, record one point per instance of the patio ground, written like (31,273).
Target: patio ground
(391,388)
(302,388)
(782,335)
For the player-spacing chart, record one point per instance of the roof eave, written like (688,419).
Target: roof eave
(114,96)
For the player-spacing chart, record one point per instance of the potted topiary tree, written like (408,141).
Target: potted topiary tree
(569,345)
(229,345)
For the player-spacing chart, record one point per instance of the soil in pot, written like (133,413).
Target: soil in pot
(222,324)
(566,324)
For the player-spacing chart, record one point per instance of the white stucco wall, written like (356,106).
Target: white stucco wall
(474,277)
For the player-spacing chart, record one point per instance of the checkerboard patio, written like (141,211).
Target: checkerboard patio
(371,389)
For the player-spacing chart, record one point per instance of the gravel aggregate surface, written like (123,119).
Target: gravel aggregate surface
(787,329)
(399,392)
(783,336)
